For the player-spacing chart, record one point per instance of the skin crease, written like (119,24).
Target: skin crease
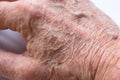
(66,40)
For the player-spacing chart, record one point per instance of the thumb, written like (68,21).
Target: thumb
(16,16)
(18,67)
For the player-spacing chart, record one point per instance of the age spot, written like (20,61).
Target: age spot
(114,36)
(80,15)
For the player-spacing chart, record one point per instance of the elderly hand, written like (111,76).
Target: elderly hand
(66,40)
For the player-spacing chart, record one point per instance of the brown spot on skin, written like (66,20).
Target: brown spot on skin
(79,16)
(115,37)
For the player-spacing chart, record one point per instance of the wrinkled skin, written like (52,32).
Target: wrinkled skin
(66,40)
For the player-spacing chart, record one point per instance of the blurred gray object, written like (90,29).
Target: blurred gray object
(3,78)
(11,41)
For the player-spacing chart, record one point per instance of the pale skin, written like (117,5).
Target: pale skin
(66,40)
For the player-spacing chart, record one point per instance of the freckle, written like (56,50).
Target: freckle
(115,37)
(80,15)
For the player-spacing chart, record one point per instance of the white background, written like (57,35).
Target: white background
(110,7)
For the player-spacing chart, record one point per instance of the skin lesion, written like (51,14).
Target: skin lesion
(57,42)
(48,45)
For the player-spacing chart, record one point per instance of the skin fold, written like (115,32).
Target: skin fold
(66,40)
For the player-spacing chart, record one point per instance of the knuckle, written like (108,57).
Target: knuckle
(31,70)
(26,70)
(69,72)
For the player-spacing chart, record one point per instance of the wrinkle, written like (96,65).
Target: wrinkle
(103,57)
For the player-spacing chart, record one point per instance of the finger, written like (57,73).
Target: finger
(15,16)
(18,67)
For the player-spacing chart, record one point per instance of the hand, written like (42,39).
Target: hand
(66,40)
